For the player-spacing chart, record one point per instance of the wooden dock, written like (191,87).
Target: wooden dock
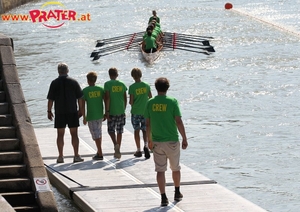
(130,183)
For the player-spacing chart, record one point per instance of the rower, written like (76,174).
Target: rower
(156,31)
(154,15)
(150,43)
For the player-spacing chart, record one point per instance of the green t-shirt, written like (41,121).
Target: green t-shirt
(161,110)
(116,89)
(150,42)
(94,95)
(157,19)
(157,29)
(140,92)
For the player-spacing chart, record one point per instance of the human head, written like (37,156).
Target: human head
(150,27)
(136,73)
(92,77)
(154,12)
(113,72)
(162,84)
(62,69)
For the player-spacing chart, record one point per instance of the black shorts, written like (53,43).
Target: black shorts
(151,50)
(62,120)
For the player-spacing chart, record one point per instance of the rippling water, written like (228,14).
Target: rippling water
(240,105)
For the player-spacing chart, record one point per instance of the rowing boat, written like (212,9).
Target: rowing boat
(169,41)
(152,56)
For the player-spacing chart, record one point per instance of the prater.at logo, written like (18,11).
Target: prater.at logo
(55,18)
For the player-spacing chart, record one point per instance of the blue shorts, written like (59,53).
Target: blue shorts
(116,123)
(138,122)
(95,128)
(62,120)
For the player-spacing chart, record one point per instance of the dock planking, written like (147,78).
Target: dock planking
(128,184)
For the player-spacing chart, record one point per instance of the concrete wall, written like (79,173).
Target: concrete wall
(6,5)
(22,122)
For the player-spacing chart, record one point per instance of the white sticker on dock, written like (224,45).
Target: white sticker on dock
(42,184)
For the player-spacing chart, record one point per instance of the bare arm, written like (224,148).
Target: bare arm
(80,103)
(82,110)
(107,104)
(149,95)
(131,99)
(49,111)
(181,130)
(148,132)
(103,101)
(125,100)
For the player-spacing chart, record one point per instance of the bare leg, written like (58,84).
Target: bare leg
(161,181)
(176,178)
(75,140)
(117,153)
(137,139)
(119,139)
(60,141)
(113,137)
(145,138)
(98,144)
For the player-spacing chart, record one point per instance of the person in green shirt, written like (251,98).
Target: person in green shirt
(154,16)
(139,94)
(115,105)
(150,43)
(163,119)
(93,97)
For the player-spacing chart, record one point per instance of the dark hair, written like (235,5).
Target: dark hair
(136,73)
(162,84)
(92,76)
(113,72)
(150,26)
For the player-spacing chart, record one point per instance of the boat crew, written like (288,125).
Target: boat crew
(156,31)
(154,16)
(150,43)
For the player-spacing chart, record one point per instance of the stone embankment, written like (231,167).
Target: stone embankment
(21,164)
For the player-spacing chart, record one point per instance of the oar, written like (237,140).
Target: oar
(108,48)
(187,41)
(102,43)
(193,36)
(115,39)
(114,47)
(189,50)
(101,55)
(134,40)
(119,37)
(204,42)
(172,34)
(209,48)
(190,44)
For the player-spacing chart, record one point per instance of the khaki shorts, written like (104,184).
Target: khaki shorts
(162,151)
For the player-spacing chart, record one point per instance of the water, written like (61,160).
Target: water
(240,105)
